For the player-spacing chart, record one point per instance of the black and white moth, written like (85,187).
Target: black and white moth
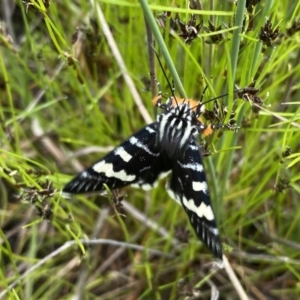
(169,145)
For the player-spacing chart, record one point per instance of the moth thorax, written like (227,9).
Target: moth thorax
(175,130)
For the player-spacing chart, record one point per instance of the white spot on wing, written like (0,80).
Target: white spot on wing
(215,231)
(202,211)
(200,186)
(195,166)
(144,169)
(149,129)
(123,154)
(194,148)
(84,174)
(107,169)
(98,166)
(134,141)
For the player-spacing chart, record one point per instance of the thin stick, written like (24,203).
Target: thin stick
(115,51)
(81,281)
(69,244)
(147,222)
(278,116)
(161,45)
(150,43)
(234,280)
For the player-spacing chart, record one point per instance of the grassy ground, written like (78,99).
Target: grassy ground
(65,103)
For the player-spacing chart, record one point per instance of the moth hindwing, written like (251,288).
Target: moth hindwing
(169,145)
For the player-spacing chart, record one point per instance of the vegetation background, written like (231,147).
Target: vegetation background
(65,103)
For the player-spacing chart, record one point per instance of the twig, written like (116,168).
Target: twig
(115,51)
(234,280)
(265,258)
(147,222)
(91,149)
(81,281)
(69,244)
(285,242)
(150,44)
(41,93)
(277,116)
(46,141)
(110,259)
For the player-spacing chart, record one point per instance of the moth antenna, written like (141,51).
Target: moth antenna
(171,86)
(203,93)
(213,99)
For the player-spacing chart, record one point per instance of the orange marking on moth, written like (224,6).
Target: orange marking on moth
(207,131)
(156,99)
